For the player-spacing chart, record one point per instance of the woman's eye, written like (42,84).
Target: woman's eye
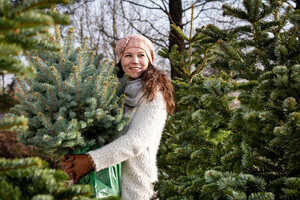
(141,55)
(128,55)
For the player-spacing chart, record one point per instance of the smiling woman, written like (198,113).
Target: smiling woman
(149,98)
(134,61)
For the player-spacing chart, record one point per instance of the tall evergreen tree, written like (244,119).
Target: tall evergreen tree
(258,154)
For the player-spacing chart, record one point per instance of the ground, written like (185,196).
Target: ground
(11,148)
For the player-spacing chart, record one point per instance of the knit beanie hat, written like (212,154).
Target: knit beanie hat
(138,41)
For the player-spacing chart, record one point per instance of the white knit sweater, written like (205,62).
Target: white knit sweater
(138,145)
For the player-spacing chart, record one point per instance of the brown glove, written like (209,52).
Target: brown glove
(77,166)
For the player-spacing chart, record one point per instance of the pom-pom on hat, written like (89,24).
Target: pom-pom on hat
(138,41)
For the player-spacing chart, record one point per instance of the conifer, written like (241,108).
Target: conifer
(74,102)
(23,26)
(31,178)
(249,150)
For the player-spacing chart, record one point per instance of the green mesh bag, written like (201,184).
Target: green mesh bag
(106,183)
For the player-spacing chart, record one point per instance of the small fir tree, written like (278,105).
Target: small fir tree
(74,102)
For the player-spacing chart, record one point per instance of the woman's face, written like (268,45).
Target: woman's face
(134,61)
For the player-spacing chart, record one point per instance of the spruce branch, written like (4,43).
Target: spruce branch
(21,85)
(38,95)
(46,122)
(52,68)
(79,55)
(41,65)
(77,82)
(104,94)
(62,63)
(91,58)
(51,93)
(98,81)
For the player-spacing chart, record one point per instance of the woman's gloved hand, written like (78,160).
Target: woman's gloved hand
(77,166)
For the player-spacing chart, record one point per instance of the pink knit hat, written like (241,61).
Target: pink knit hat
(138,41)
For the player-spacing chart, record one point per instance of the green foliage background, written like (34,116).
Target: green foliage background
(236,135)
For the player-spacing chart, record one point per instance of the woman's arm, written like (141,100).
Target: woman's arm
(146,126)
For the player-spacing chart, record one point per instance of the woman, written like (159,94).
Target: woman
(149,97)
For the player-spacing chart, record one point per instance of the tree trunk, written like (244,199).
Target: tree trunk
(175,9)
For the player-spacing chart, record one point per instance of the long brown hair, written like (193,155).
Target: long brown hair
(154,79)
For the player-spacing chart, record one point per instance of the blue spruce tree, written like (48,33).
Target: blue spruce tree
(75,100)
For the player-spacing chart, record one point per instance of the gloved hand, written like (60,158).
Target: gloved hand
(77,166)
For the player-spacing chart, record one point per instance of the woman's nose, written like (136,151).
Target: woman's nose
(135,59)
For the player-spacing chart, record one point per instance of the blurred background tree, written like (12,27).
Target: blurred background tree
(24,26)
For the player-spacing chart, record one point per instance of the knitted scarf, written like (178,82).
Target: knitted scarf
(134,92)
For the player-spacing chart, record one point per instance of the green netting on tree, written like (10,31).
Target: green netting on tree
(74,101)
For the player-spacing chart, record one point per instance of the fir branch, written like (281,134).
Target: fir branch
(71,78)
(84,43)
(92,53)
(57,31)
(52,39)
(90,78)
(77,83)
(99,78)
(63,61)
(79,55)
(9,165)
(60,118)
(69,86)
(37,60)
(37,94)
(111,93)
(43,118)
(293,35)
(52,68)
(29,84)
(103,97)
(52,99)
(71,125)
(28,56)
(198,69)
(71,40)
(29,106)
(109,70)
(23,90)
(40,58)
(12,123)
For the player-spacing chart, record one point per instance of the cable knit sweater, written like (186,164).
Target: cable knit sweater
(138,144)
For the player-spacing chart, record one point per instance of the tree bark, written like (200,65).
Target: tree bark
(175,16)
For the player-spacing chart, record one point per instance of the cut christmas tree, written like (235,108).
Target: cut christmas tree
(75,100)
